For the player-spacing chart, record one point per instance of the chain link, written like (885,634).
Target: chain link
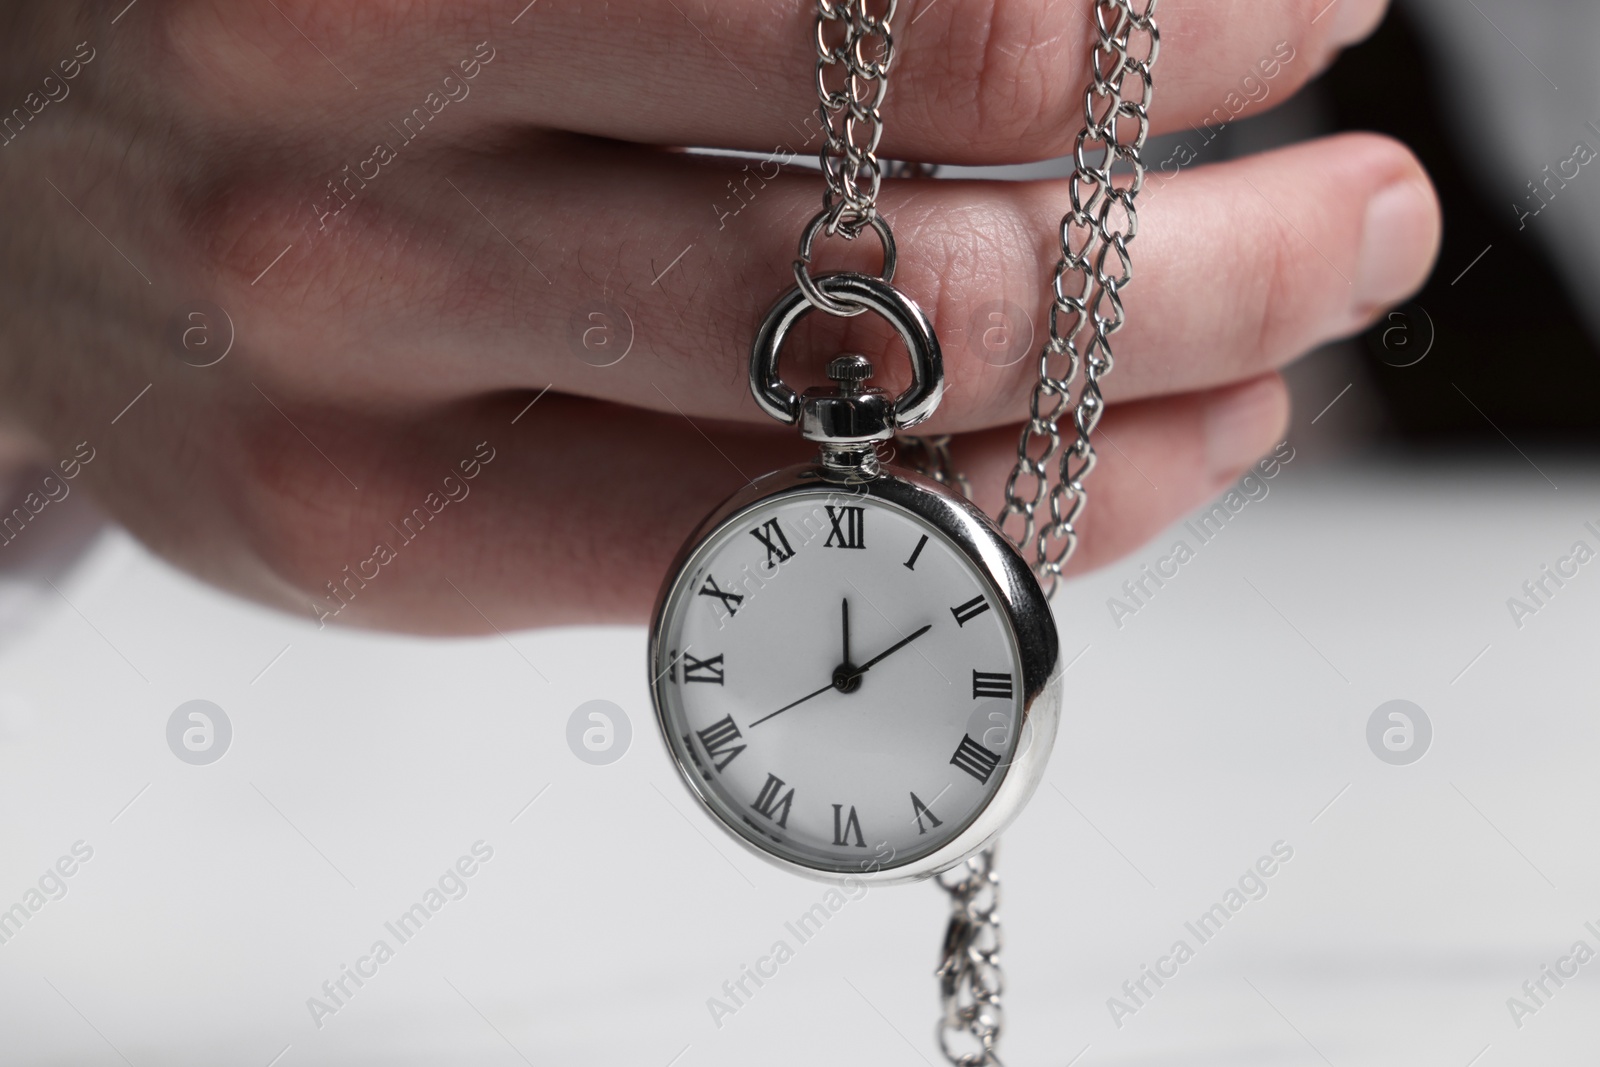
(855,49)
(1086,311)
(970,978)
(1086,292)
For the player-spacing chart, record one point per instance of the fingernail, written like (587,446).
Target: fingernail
(1238,425)
(1354,20)
(1396,246)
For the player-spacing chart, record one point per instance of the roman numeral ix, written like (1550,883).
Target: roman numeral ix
(703,670)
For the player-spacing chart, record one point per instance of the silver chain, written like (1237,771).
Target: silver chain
(1086,297)
(1086,310)
(855,49)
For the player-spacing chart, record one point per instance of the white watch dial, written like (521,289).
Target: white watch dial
(844,683)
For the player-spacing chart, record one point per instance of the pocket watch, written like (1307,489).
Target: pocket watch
(853,669)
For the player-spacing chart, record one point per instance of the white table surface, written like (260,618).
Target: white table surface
(1224,717)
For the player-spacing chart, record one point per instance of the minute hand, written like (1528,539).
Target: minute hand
(886,653)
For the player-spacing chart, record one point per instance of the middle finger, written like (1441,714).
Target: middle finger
(498,271)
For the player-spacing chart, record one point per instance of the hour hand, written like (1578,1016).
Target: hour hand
(886,653)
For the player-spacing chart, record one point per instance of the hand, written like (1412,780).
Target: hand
(844,675)
(407,265)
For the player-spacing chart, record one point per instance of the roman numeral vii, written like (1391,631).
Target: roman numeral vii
(773,802)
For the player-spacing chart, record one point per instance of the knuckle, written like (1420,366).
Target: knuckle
(1019,64)
(1282,294)
(297,514)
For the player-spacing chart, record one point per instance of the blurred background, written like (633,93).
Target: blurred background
(1441,902)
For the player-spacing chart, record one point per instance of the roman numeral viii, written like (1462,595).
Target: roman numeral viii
(721,739)
(773,802)
(975,760)
(731,601)
(770,534)
(965,613)
(845,825)
(849,527)
(985,684)
(702,670)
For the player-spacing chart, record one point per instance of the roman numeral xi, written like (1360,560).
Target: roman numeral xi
(770,534)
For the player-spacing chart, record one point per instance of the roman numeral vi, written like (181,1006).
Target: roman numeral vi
(844,825)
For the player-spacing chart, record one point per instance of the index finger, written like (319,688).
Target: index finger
(972,81)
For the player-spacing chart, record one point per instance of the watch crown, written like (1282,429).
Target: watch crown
(849,370)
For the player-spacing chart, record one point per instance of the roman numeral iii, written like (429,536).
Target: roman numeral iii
(721,739)
(702,670)
(845,825)
(965,613)
(770,534)
(975,760)
(849,527)
(985,684)
(773,802)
